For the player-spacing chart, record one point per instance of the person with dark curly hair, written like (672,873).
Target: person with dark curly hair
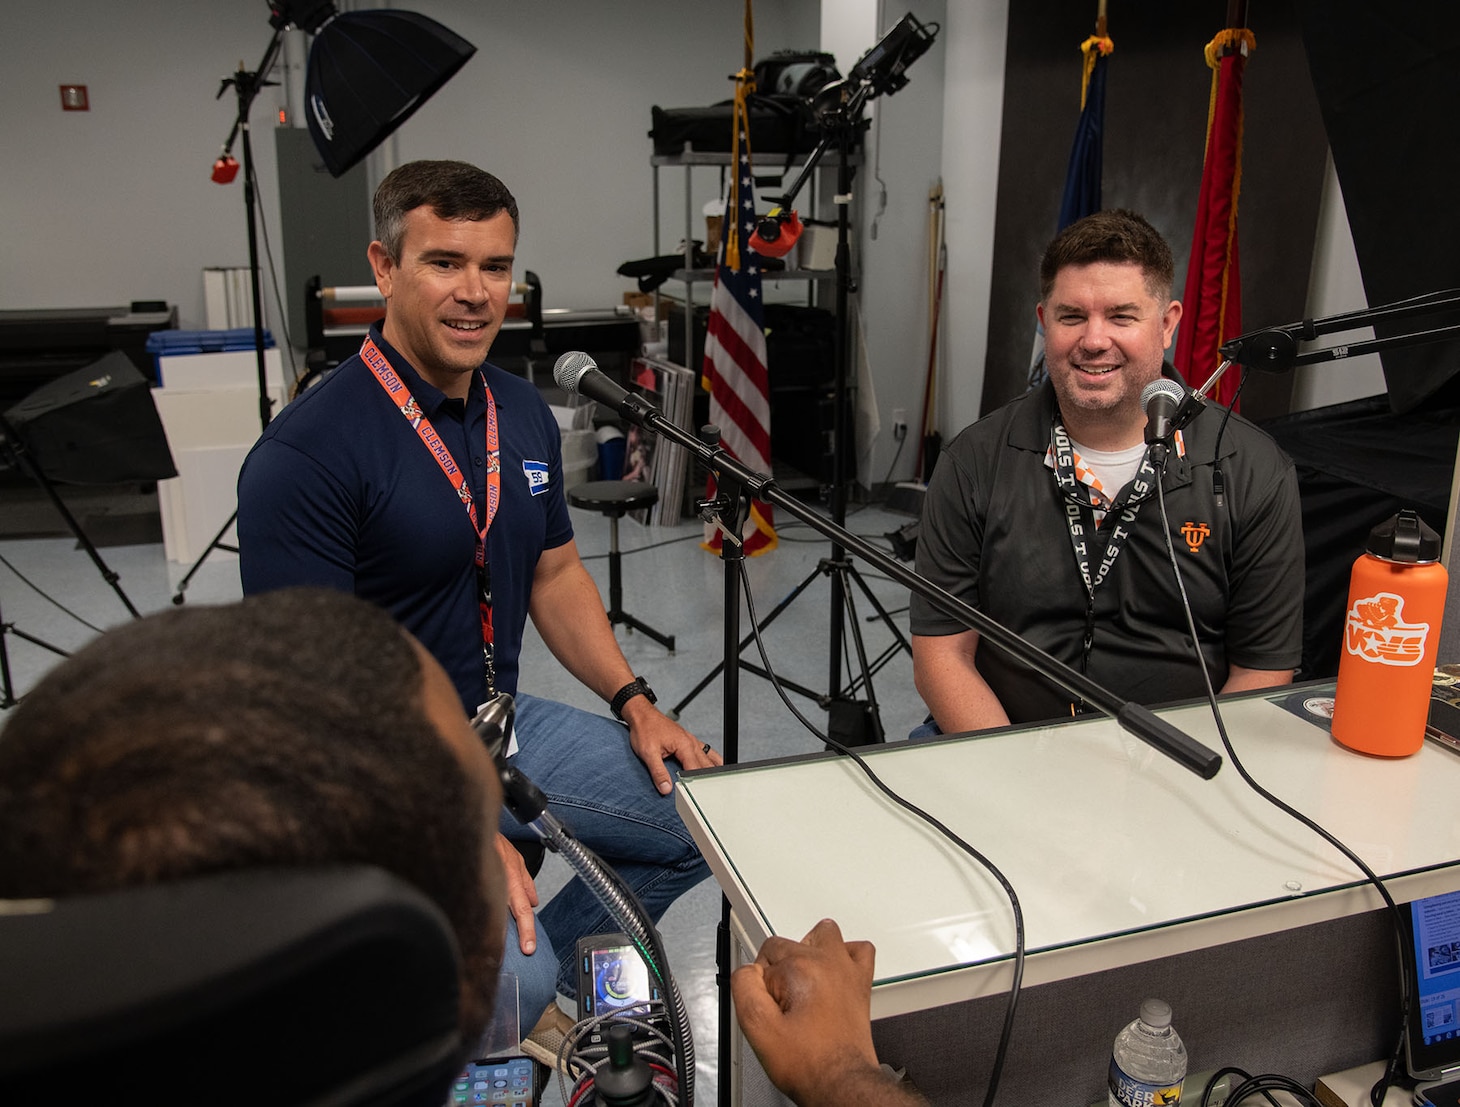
(302,728)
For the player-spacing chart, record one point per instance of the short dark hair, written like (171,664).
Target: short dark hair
(286,730)
(452,189)
(1118,236)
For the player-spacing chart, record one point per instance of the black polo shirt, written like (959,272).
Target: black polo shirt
(994,533)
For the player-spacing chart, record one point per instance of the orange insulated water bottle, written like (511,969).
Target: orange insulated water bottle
(1396,599)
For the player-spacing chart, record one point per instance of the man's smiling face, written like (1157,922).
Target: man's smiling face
(446,295)
(1105,337)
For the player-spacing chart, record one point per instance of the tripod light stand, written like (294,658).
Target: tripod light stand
(838,109)
(368,72)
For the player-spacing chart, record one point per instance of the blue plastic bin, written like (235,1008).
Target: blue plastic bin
(161,344)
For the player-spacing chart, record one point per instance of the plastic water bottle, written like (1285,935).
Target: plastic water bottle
(1148,1063)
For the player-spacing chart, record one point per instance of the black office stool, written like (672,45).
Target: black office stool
(616,498)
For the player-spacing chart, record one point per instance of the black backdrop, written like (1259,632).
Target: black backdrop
(1386,77)
(1374,80)
(1155,133)
(1359,463)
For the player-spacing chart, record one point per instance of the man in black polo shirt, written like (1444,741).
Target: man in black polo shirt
(1043,515)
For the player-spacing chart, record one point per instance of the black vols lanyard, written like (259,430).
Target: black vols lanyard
(1081,500)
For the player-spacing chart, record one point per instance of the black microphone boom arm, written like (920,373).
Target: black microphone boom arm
(1276,348)
(1138,720)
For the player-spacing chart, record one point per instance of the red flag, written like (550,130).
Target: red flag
(735,352)
(1212,303)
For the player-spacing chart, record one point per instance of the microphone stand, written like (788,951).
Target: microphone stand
(528,805)
(1133,717)
(1276,348)
(729,509)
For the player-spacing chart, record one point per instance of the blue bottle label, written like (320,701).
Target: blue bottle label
(1129,1092)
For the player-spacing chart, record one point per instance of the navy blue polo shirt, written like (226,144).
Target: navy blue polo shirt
(340,492)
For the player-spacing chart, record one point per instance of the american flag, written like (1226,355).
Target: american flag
(734,372)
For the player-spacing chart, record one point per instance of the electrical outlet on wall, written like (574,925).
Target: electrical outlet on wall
(899,424)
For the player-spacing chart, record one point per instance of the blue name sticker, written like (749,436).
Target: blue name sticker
(536,473)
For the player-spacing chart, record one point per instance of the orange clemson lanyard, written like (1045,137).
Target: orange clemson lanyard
(401,397)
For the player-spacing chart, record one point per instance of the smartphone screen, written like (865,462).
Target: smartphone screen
(501,1082)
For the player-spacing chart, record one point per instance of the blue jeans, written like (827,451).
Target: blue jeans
(602,792)
(924,730)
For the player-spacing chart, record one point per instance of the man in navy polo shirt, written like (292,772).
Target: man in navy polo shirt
(428,481)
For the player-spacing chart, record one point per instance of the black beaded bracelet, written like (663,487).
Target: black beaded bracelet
(636,687)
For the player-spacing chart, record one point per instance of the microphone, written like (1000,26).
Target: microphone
(576,372)
(1160,401)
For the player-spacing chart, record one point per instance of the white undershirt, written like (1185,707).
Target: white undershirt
(1114,468)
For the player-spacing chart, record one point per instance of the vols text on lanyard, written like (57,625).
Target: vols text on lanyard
(1081,500)
(376,361)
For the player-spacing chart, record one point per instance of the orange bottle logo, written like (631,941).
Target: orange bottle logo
(1376,631)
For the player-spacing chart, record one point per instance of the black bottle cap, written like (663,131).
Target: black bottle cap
(1404,538)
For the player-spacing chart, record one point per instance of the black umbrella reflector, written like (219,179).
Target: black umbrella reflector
(97,425)
(368,71)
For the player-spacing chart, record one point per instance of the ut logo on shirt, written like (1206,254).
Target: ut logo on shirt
(536,473)
(1195,534)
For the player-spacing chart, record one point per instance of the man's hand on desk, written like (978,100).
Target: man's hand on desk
(806,1009)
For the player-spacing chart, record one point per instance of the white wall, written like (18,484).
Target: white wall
(1335,288)
(115,204)
(973,106)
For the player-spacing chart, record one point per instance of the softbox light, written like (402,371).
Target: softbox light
(97,425)
(368,71)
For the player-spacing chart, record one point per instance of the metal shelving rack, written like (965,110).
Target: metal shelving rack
(689,275)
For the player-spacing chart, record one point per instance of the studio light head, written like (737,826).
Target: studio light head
(884,67)
(368,72)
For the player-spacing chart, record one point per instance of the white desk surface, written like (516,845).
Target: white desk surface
(1117,854)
